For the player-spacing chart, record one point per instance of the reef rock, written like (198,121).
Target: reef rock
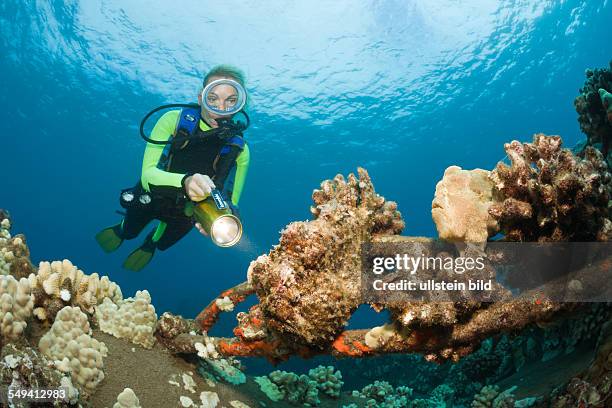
(593,387)
(594,110)
(25,368)
(308,285)
(460,208)
(549,194)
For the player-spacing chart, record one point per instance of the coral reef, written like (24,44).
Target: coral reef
(461,203)
(14,252)
(308,285)
(26,368)
(60,283)
(328,381)
(491,397)
(548,194)
(16,307)
(497,357)
(606,101)
(179,335)
(592,388)
(133,319)
(294,388)
(421,376)
(594,110)
(381,394)
(5,235)
(562,336)
(269,388)
(72,349)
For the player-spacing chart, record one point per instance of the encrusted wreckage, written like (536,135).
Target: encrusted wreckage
(308,286)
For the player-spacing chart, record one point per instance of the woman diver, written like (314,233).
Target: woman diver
(190,155)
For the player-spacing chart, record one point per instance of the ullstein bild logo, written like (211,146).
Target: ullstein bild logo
(408,271)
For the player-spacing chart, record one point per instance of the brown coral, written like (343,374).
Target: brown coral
(308,285)
(549,194)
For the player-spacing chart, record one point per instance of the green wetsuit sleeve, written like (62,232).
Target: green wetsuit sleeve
(151,174)
(242,168)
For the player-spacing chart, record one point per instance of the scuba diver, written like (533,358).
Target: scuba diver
(188,163)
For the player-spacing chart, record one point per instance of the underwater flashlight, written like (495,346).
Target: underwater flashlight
(215,216)
(224,97)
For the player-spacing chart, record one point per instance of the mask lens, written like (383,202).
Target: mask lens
(224,97)
(226,231)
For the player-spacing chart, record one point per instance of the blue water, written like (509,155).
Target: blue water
(402,88)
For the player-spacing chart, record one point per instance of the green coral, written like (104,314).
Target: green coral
(328,381)
(294,388)
(304,389)
(444,394)
(378,390)
(606,99)
(428,403)
(298,388)
(227,369)
(593,107)
(270,389)
(381,394)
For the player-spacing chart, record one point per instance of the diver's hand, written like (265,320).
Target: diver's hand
(198,186)
(201,229)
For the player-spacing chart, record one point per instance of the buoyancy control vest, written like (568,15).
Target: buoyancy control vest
(202,152)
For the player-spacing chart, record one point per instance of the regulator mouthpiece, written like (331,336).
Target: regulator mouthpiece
(224,97)
(215,216)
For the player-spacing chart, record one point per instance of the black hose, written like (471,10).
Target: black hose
(148,115)
(225,130)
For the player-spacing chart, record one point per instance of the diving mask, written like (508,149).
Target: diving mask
(224,97)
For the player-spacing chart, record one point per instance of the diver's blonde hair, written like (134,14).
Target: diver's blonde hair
(225,70)
(228,71)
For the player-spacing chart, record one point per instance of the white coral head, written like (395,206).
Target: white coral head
(65,295)
(186,401)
